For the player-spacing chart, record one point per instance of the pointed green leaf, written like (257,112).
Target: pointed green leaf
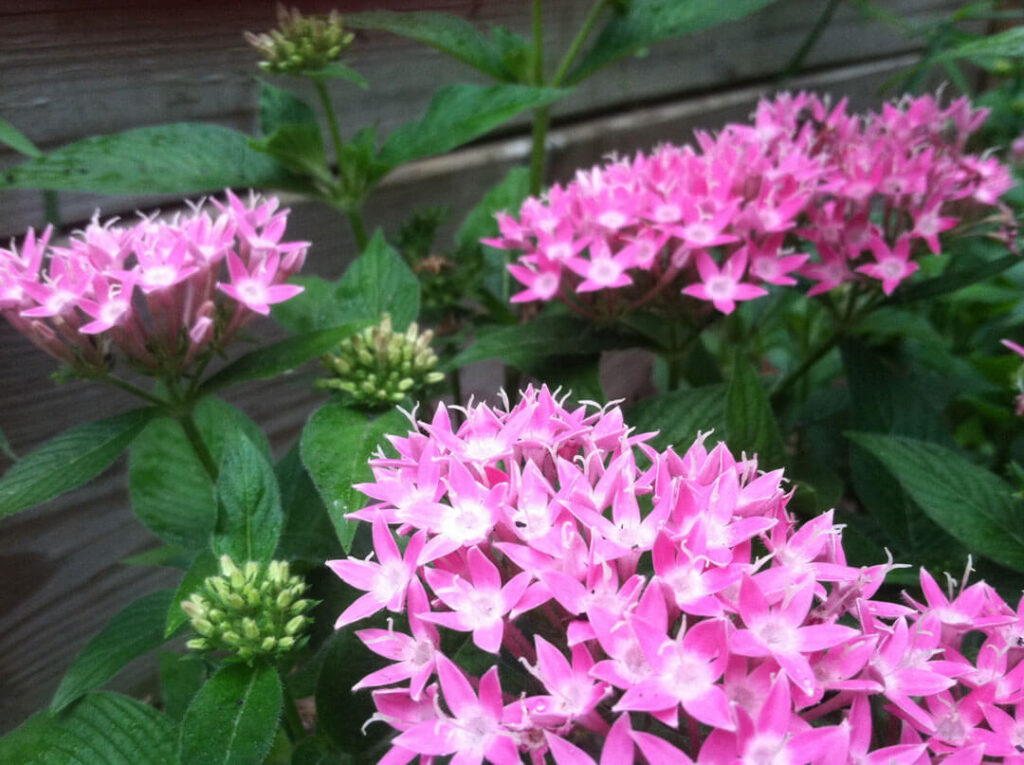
(101,729)
(282,107)
(308,532)
(954,280)
(750,424)
(69,460)
(172,556)
(132,633)
(379,281)
(204,564)
(646,22)
(1008,44)
(338,71)
(970,503)
(181,677)
(249,517)
(680,415)
(526,345)
(171,492)
(447,33)
(5,448)
(336,447)
(234,717)
(17,140)
(458,114)
(279,358)
(182,158)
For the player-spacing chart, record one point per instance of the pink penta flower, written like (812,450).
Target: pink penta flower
(474,732)
(256,288)
(891,266)
(385,582)
(722,286)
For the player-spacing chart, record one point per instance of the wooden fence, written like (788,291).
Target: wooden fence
(76,68)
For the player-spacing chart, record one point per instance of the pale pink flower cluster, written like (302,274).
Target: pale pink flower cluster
(638,600)
(154,290)
(722,221)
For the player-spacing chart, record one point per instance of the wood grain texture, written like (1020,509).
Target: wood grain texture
(59,562)
(81,68)
(72,68)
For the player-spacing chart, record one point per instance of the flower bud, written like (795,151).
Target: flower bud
(380,366)
(260,612)
(301,44)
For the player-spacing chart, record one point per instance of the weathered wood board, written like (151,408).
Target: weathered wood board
(75,68)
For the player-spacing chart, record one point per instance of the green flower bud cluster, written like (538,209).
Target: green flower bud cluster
(380,367)
(300,44)
(253,611)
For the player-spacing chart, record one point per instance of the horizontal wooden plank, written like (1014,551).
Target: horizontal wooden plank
(89,68)
(59,562)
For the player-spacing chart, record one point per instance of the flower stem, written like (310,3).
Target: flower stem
(355,220)
(577,43)
(292,720)
(332,120)
(135,390)
(541,116)
(195,438)
(815,356)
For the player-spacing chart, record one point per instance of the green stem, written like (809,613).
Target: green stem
(195,438)
(332,120)
(538,153)
(51,208)
(815,356)
(292,721)
(796,63)
(541,116)
(355,220)
(135,390)
(577,43)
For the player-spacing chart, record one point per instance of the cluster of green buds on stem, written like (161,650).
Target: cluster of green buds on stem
(301,44)
(380,367)
(254,611)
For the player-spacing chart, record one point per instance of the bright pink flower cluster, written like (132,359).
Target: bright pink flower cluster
(721,221)
(153,290)
(638,599)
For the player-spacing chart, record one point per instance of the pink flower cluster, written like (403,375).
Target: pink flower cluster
(153,290)
(652,601)
(723,220)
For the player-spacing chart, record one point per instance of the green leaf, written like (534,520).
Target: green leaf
(506,196)
(680,415)
(1008,44)
(203,565)
(348,710)
(954,280)
(379,281)
(973,505)
(101,729)
(249,517)
(5,448)
(234,717)
(181,677)
(171,492)
(336,447)
(134,632)
(447,33)
(17,140)
(526,345)
(68,460)
(182,158)
(338,71)
(172,556)
(646,22)
(280,107)
(750,424)
(279,358)
(297,147)
(308,533)
(458,114)
(316,307)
